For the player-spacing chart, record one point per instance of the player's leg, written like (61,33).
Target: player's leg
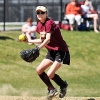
(56,78)
(60,58)
(71,18)
(40,70)
(28,35)
(78,19)
(95,20)
(43,65)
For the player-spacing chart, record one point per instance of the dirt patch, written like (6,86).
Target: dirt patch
(43,98)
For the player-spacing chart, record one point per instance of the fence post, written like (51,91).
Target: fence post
(4,5)
(61,10)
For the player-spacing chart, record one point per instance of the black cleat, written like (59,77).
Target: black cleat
(51,94)
(63,90)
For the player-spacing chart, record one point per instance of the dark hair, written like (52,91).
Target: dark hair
(29,19)
(37,20)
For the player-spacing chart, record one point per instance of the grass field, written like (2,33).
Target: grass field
(19,78)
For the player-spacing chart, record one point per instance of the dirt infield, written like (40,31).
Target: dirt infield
(43,98)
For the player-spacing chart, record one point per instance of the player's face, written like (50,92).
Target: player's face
(29,23)
(86,3)
(41,15)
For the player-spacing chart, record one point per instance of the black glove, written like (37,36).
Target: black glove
(30,55)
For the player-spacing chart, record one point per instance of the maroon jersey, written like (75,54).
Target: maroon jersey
(56,41)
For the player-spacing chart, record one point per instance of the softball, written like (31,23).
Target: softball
(22,37)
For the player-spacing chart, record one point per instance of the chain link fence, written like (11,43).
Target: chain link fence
(13,11)
(20,10)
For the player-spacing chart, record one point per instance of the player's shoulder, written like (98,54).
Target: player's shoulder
(24,25)
(33,25)
(49,21)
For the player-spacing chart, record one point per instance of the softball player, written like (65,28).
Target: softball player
(58,53)
(29,27)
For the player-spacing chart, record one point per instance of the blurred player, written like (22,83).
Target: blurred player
(29,27)
(58,53)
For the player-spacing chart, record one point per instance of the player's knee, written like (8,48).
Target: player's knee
(50,75)
(38,71)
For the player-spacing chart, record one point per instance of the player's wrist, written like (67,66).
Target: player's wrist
(37,47)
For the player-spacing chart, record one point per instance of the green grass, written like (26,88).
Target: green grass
(10,26)
(83,75)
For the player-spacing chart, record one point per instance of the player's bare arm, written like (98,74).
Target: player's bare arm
(43,41)
(35,41)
